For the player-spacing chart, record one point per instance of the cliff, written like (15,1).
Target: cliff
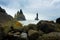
(20,16)
(4,17)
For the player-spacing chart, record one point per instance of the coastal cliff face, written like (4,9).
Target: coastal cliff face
(20,16)
(4,17)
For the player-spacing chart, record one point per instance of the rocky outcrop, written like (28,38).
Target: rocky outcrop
(46,26)
(4,17)
(37,17)
(58,20)
(20,16)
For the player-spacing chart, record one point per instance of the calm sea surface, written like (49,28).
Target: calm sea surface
(29,22)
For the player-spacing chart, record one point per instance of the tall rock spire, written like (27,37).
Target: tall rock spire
(37,17)
(21,11)
(20,16)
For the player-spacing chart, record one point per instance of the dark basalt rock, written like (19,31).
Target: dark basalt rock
(4,17)
(58,20)
(20,16)
(46,26)
(37,17)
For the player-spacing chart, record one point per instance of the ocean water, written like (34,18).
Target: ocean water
(29,22)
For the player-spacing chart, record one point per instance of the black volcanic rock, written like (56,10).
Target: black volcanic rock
(20,16)
(2,10)
(37,17)
(58,20)
(46,26)
(4,17)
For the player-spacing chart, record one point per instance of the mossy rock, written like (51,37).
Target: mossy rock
(33,34)
(50,36)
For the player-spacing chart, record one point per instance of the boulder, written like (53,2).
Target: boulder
(58,20)
(50,36)
(46,26)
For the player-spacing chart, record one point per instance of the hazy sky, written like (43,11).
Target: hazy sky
(47,9)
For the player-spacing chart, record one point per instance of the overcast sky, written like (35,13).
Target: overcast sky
(47,9)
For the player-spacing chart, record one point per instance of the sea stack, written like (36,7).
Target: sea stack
(37,17)
(20,16)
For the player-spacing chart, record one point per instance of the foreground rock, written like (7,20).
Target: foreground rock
(2,34)
(58,20)
(33,34)
(50,36)
(46,26)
